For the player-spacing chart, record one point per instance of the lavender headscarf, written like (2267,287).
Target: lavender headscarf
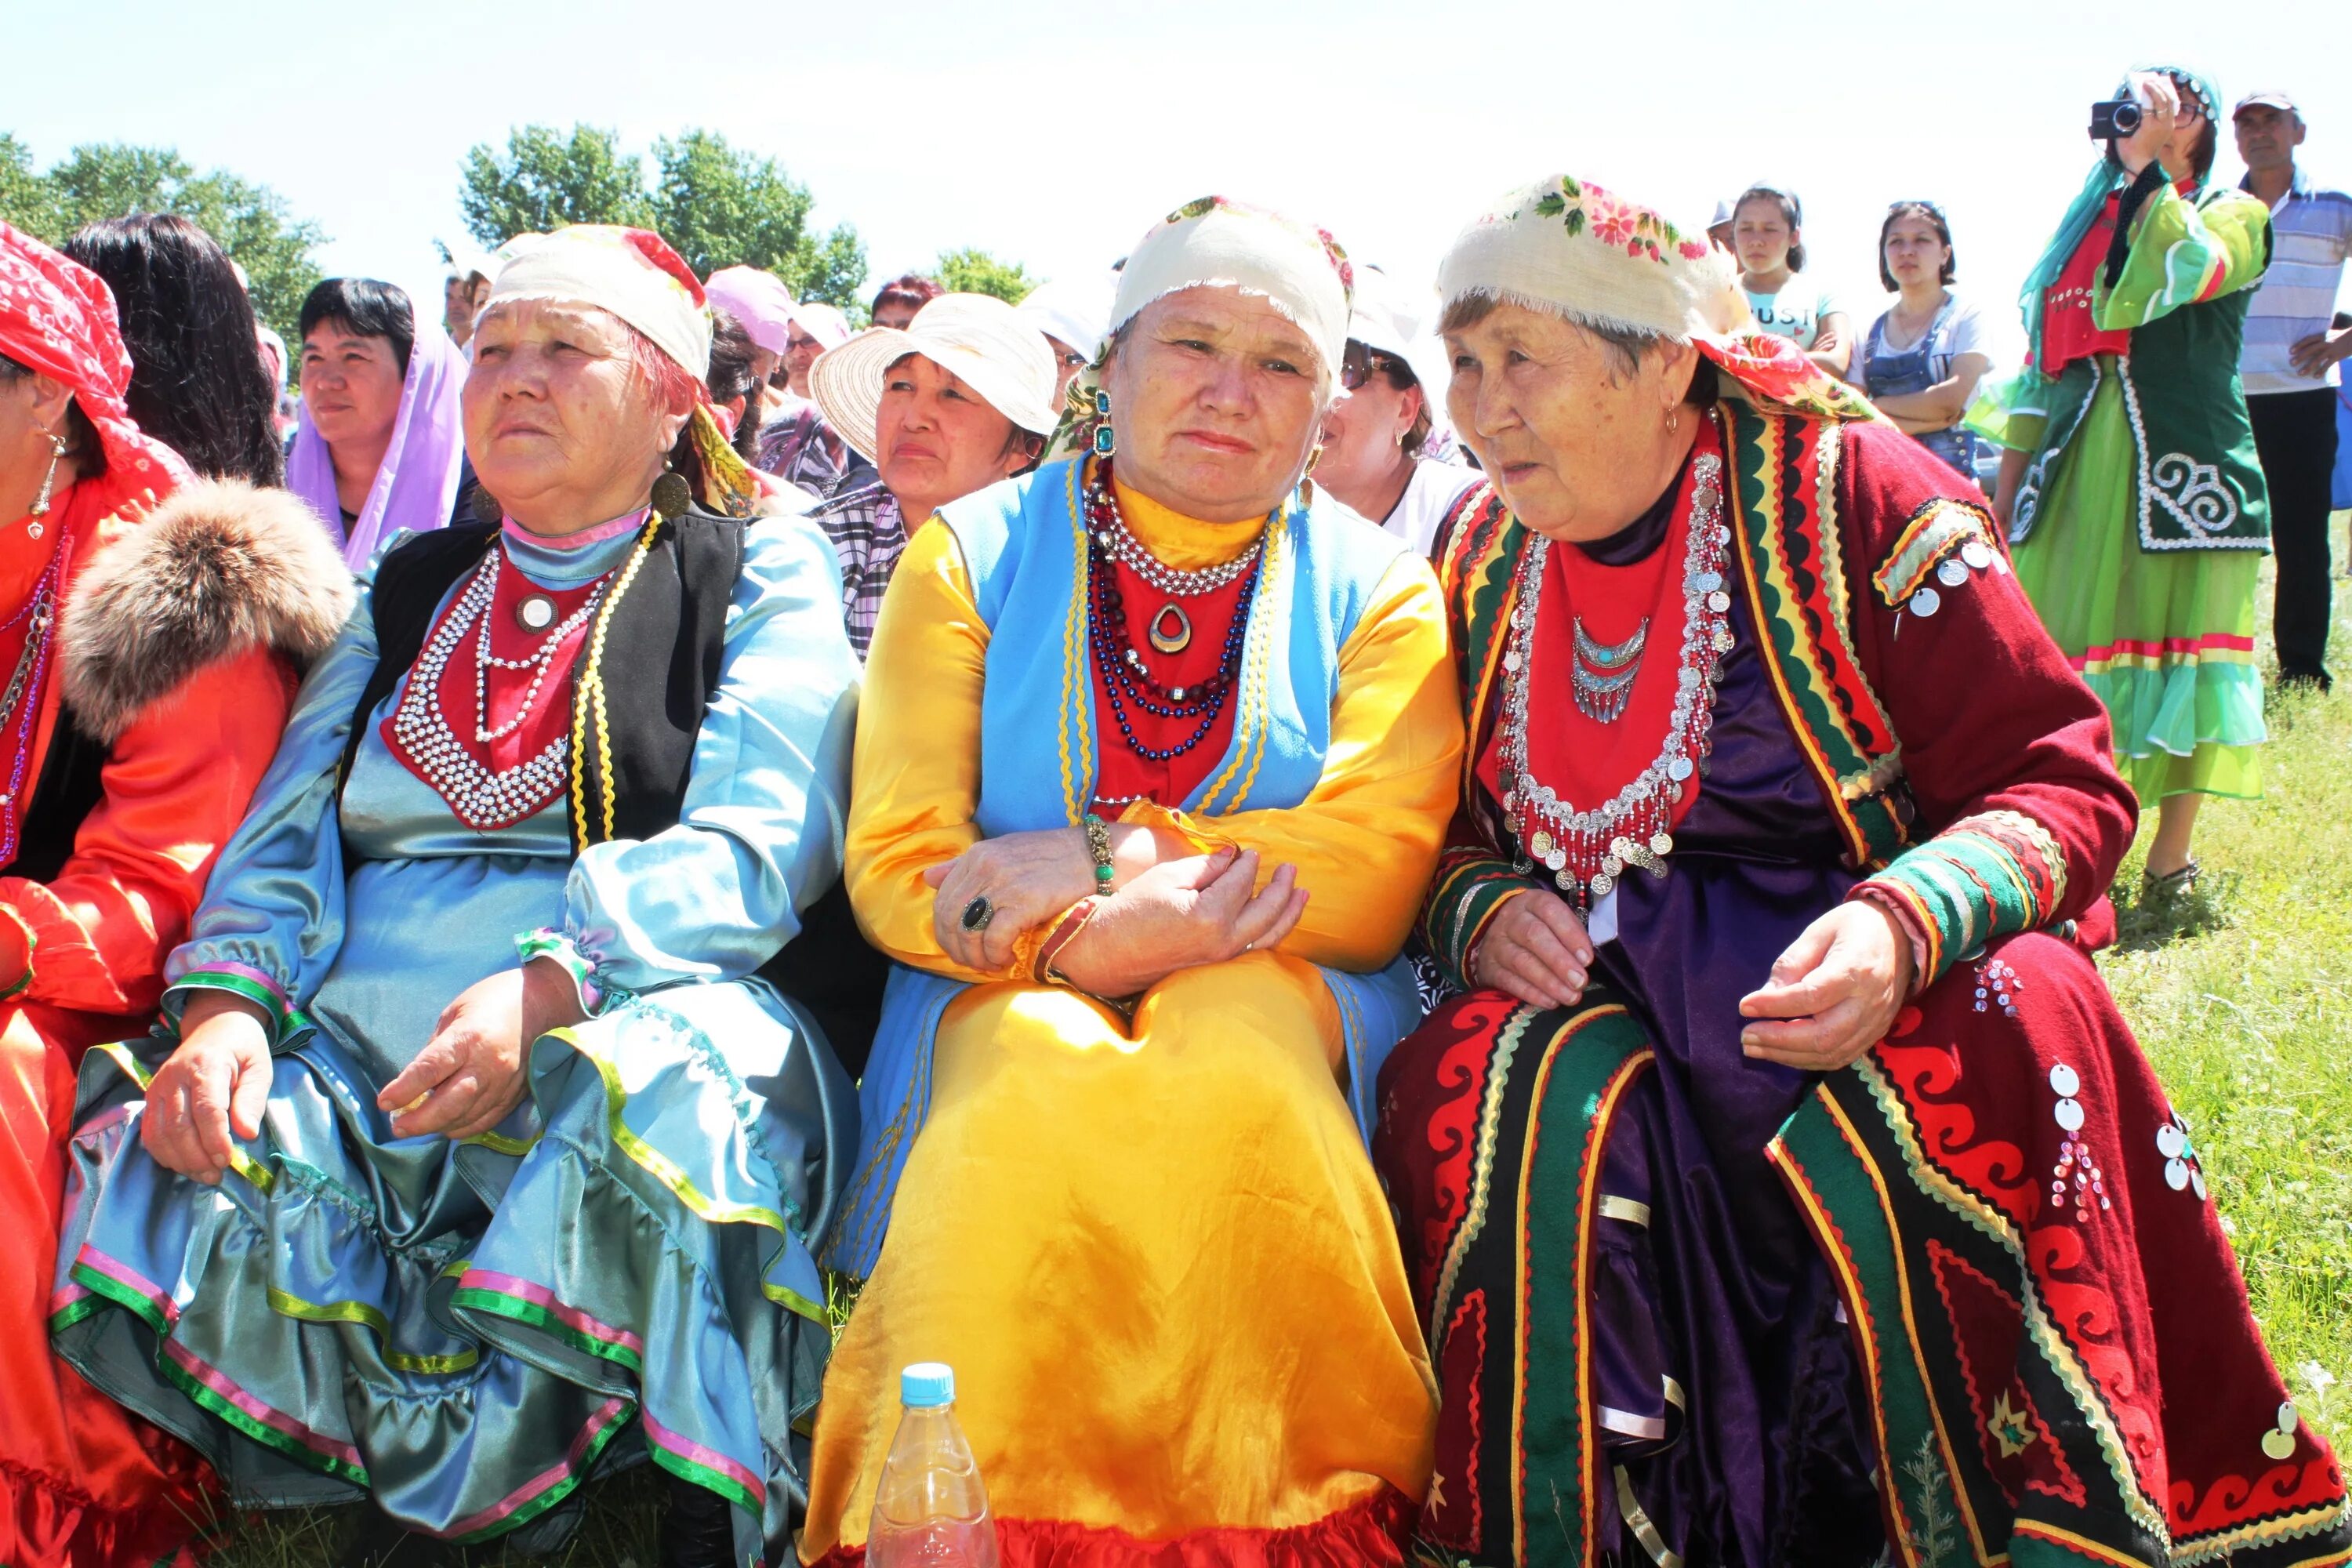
(417,485)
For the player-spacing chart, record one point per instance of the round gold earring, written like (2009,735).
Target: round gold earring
(1674,420)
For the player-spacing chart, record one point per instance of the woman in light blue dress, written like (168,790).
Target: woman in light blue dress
(482,1158)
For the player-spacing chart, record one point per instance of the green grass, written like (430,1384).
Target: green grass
(2245,1007)
(2243,999)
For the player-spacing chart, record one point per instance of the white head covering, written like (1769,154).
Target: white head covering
(1214,242)
(1074,309)
(1384,317)
(758,300)
(978,337)
(822,322)
(632,272)
(1568,247)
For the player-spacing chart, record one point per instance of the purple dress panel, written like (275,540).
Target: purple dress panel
(1723,1293)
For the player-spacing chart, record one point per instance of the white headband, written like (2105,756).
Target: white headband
(629,271)
(1215,242)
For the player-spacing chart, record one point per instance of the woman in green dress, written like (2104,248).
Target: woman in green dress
(2136,510)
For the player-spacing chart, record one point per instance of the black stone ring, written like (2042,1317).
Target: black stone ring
(977,914)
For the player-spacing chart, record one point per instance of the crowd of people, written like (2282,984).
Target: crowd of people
(650,859)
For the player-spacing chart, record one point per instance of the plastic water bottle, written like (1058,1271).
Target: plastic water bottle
(930,1510)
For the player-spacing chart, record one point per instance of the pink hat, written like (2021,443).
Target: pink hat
(758,300)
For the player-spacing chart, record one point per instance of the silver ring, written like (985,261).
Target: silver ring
(977,914)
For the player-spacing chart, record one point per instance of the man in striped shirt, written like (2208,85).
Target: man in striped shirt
(2289,367)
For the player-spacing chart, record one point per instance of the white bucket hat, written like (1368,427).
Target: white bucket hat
(976,336)
(1381,316)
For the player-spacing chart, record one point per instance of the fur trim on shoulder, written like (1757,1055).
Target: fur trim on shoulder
(216,569)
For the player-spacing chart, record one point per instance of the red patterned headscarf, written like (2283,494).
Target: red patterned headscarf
(56,318)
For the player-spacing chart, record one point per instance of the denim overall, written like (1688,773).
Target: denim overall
(1886,372)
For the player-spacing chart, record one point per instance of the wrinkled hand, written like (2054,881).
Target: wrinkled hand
(1028,877)
(2160,114)
(1534,949)
(471,1074)
(1178,915)
(216,1084)
(2312,355)
(1834,993)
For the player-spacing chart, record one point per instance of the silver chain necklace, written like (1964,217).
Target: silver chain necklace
(1112,534)
(1587,851)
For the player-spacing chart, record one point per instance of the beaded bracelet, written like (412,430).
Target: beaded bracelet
(1098,845)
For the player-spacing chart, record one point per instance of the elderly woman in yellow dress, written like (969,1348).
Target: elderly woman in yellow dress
(1158,750)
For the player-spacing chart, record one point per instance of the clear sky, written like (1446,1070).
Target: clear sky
(1054,133)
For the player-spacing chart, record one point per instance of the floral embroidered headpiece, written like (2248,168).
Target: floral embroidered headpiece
(1568,247)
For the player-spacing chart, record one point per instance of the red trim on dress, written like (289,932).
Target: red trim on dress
(1369,1534)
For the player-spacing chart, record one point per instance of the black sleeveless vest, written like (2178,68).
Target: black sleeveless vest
(654,709)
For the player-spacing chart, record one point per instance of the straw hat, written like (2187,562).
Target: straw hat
(976,336)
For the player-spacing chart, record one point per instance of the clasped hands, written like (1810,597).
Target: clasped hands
(471,1074)
(1830,997)
(1169,908)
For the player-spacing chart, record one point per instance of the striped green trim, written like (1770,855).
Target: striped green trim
(553,1495)
(1966,890)
(283,1020)
(703,1476)
(367,1317)
(667,1173)
(1460,903)
(260,1431)
(121,1295)
(65,1318)
(498,1304)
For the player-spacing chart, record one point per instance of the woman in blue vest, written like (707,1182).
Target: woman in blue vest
(1154,763)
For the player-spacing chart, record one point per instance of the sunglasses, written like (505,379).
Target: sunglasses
(1935,207)
(1359,365)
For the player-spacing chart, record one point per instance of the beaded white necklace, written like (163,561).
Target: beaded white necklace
(484,798)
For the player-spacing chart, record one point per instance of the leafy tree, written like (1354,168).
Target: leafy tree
(26,199)
(972,271)
(720,205)
(106,180)
(544,181)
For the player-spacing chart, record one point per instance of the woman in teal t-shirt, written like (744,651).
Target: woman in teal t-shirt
(1768,237)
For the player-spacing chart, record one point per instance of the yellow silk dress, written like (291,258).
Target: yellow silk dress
(1155,1253)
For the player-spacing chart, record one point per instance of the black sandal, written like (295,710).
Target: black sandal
(2172,885)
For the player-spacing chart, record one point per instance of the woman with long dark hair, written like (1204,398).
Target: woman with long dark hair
(197,381)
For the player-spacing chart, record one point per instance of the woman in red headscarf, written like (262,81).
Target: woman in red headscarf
(150,628)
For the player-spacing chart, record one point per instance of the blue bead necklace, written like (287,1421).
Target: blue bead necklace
(1128,678)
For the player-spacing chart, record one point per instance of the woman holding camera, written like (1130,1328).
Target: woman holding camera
(2136,508)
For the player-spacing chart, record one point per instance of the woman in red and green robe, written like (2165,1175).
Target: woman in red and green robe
(1785,1186)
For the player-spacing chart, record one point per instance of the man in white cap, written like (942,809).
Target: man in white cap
(1386,443)
(2290,367)
(960,398)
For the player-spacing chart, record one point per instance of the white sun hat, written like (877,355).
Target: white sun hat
(976,336)
(1383,317)
(1074,309)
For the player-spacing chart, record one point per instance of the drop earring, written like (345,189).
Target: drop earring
(48,483)
(1674,420)
(1105,442)
(671,496)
